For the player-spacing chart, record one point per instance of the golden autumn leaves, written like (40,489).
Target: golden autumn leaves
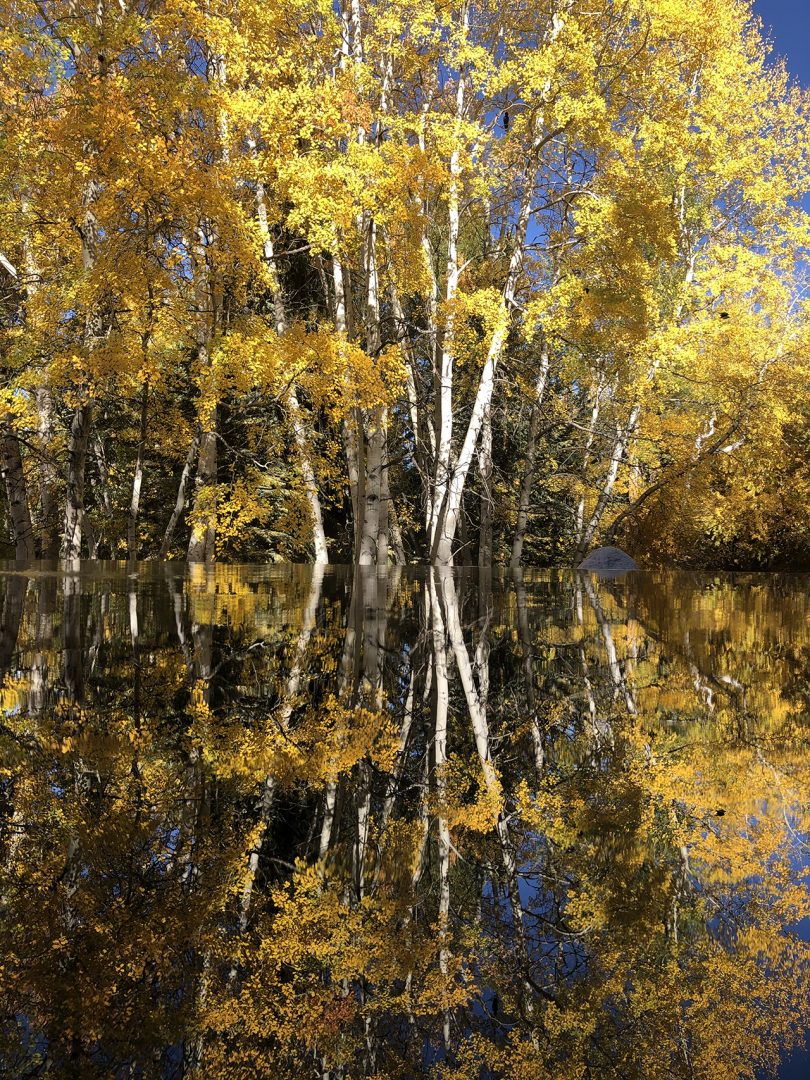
(388,255)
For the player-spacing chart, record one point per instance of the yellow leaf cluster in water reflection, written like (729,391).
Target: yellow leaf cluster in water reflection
(296,822)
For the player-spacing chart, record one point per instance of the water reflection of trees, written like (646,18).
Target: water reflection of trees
(294,823)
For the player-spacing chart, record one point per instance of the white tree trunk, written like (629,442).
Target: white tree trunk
(17,494)
(527,482)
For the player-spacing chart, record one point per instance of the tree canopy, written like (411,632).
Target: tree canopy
(413,280)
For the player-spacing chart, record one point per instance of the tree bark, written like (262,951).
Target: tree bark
(202,541)
(299,433)
(485,473)
(623,436)
(370,554)
(444,397)
(17,494)
(74,495)
(137,480)
(527,483)
(182,493)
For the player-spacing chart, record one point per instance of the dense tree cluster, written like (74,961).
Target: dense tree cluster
(401,281)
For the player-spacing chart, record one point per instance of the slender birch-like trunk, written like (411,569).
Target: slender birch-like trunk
(446,512)
(74,496)
(586,456)
(202,541)
(623,435)
(182,494)
(293,405)
(17,494)
(369,554)
(13,475)
(352,423)
(441,695)
(82,421)
(485,473)
(447,519)
(527,481)
(137,479)
(48,527)
(444,396)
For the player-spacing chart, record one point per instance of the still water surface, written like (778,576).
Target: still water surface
(281,822)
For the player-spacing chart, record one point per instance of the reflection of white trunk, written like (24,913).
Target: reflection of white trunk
(621,687)
(476,706)
(527,651)
(292,689)
(442,700)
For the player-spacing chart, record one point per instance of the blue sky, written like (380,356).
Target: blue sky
(788,26)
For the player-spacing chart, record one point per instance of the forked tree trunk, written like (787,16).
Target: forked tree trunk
(182,495)
(623,436)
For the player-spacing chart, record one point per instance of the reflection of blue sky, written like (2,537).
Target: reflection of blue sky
(796,1066)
